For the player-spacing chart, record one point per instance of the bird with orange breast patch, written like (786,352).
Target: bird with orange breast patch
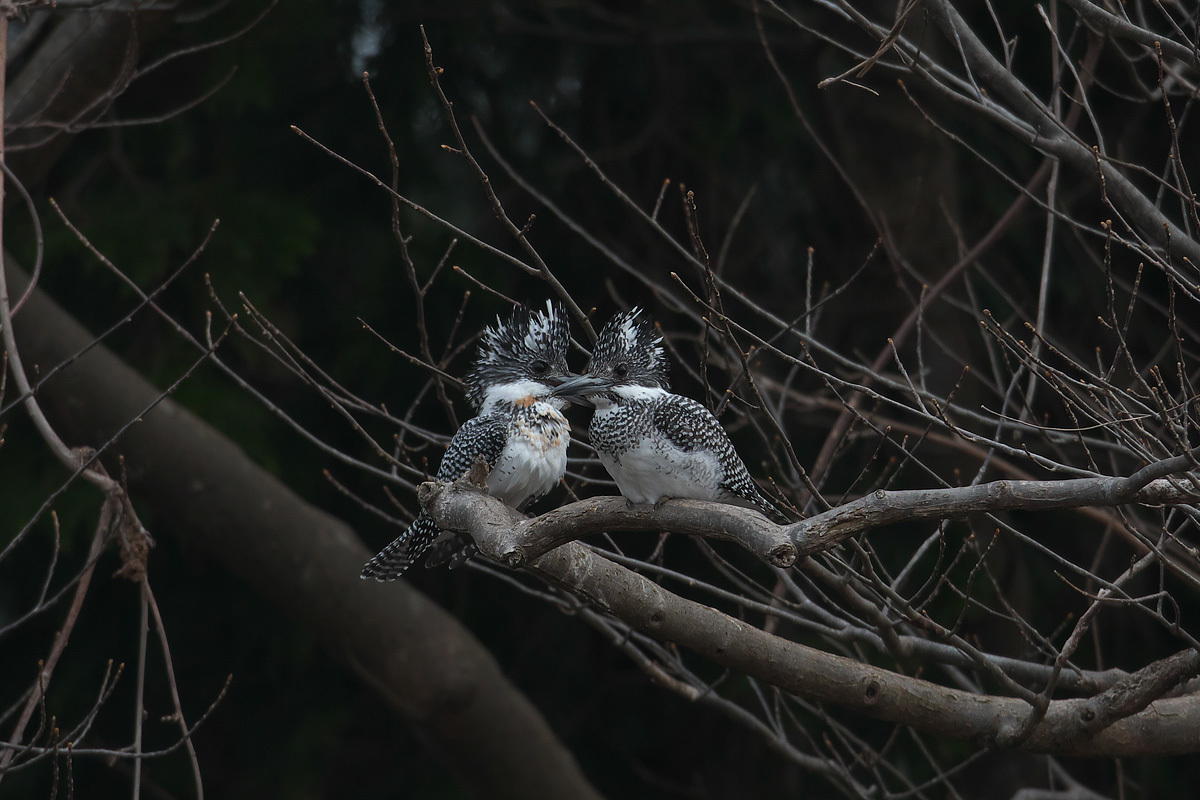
(519,430)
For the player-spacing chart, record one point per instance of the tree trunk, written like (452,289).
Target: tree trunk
(306,562)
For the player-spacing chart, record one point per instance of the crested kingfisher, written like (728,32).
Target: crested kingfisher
(655,444)
(519,429)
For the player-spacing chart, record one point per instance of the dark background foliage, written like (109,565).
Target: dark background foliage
(652,91)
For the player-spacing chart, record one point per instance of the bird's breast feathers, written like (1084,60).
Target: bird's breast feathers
(535,456)
(646,464)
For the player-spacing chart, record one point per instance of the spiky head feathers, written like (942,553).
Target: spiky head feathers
(531,346)
(629,351)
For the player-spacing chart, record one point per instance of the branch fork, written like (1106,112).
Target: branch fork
(509,537)
(522,539)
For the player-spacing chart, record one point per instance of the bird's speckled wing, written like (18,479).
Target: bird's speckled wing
(690,426)
(484,435)
(480,436)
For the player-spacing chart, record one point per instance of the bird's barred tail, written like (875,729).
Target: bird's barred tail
(754,496)
(770,510)
(391,562)
(454,551)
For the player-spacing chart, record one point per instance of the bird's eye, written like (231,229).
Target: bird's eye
(621,370)
(539,366)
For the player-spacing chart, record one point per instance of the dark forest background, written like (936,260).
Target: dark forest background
(652,91)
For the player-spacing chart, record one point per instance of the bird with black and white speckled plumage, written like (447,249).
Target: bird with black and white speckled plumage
(519,429)
(656,445)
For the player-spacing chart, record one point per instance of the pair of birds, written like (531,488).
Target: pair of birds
(654,444)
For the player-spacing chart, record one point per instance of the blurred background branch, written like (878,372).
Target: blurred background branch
(933,265)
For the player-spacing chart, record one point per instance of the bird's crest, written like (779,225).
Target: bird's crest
(632,340)
(529,345)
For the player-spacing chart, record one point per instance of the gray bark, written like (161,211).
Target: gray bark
(1124,720)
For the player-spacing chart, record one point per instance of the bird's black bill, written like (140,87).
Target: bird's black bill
(579,389)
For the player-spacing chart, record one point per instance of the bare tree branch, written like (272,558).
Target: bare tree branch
(818,533)
(419,659)
(530,538)
(1165,726)
(1051,139)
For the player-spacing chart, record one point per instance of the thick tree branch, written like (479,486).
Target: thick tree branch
(523,539)
(526,539)
(1104,22)
(1135,692)
(1052,140)
(1164,726)
(823,531)
(422,662)
(70,78)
